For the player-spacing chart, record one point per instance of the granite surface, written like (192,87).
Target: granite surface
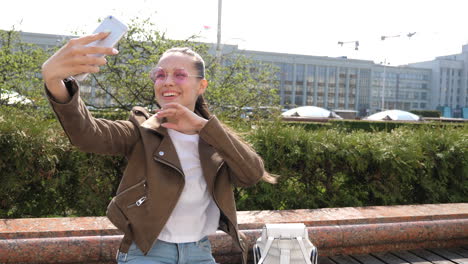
(352,230)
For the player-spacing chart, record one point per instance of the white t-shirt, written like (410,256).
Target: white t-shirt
(196,214)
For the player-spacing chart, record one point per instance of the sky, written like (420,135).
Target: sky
(309,27)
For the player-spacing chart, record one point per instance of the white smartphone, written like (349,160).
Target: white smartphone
(117,30)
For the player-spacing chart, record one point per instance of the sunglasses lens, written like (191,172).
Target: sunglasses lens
(159,75)
(180,75)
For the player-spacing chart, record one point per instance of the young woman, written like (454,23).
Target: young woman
(182,162)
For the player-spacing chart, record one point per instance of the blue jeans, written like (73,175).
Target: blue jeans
(170,253)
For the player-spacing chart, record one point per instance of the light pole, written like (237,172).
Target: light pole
(409,35)
(218,40)
(385,67)
(383,83)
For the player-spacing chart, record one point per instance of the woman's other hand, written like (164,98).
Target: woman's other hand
(180,118)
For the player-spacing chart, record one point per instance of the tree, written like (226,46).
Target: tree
(20,67)
(240,84)
(235,81)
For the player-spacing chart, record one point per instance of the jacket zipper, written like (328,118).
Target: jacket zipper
(170,165)
(133,187)
(139,202)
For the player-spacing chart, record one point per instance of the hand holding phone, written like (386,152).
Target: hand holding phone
(117,30)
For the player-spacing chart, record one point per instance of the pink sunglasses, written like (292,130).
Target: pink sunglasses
(159,75)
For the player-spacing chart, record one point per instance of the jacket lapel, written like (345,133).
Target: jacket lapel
(165,152)
(210,161)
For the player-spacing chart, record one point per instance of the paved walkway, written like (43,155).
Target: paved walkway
(457,255)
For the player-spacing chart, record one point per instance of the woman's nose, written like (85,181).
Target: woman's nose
(169,79)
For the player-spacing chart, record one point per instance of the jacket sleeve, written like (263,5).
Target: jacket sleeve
(90,134)
(244,164)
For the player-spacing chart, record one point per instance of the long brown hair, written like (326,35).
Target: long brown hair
(201,106)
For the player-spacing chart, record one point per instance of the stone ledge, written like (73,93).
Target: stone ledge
(352,230)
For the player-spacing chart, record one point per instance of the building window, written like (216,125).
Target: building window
(299,79)
(424,96)
(332,77)
(310,74)
(288,70)
(298,100)
(310,84)
(322,71)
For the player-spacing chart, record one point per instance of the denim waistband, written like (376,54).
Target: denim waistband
(203,239)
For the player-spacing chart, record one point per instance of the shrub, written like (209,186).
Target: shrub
(332,167)
(111,115)
(426,113)
(370,126)
(43,175)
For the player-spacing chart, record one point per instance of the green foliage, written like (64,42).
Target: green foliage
(111,115)
(309,125)
(20,67)
(42,175)
(334,167)
(237,83)
(371,126)
(426,113)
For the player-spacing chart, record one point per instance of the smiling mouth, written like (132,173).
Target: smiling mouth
(169,94)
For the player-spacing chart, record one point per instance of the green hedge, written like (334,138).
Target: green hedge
(370,126)
(42,175)
(426,113)
(112,115)
(332,167)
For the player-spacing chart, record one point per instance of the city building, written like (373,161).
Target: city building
(449,83)
(348,84)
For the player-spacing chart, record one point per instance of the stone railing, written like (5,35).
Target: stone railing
(335,231)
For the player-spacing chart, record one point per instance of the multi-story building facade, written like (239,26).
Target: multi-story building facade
(402,88)
(332,83)
(449,82)
(349,84)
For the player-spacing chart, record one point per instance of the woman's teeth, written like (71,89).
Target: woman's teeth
(169,94)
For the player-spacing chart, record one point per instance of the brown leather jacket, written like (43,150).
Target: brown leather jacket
(153,179)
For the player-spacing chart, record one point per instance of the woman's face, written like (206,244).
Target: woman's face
(176,80)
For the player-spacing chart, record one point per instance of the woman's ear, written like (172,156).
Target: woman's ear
(203,86)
